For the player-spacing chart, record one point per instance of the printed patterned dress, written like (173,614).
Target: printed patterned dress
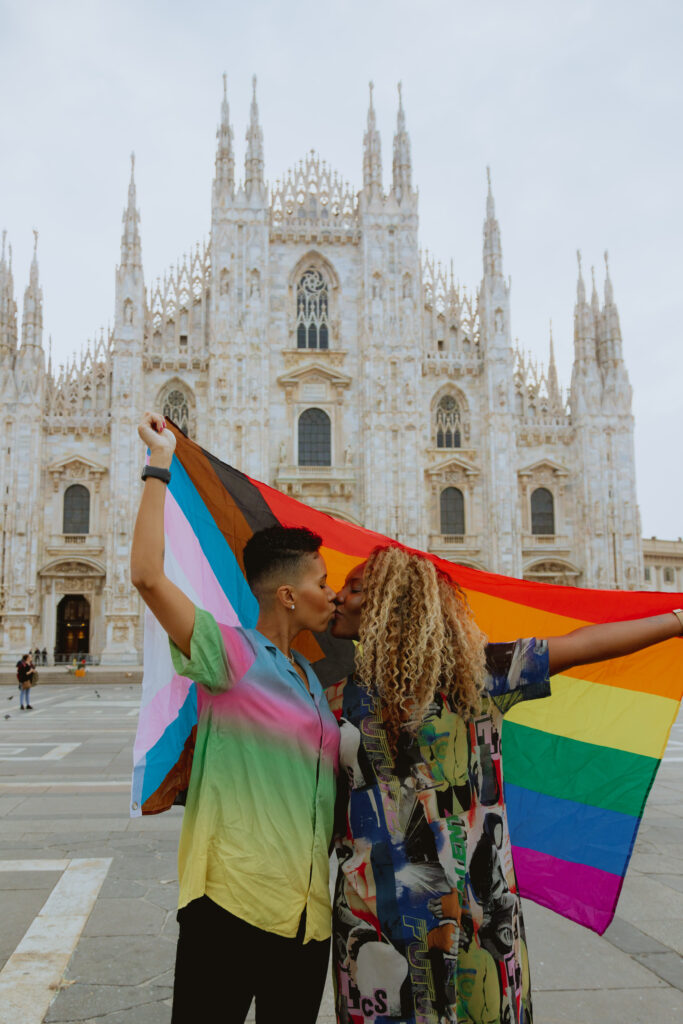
(427,922)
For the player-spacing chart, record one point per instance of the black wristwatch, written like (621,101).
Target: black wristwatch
(158,472)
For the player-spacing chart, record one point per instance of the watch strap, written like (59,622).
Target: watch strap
(158,472)
(678,612)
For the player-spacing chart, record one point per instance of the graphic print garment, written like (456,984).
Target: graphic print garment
(427,922)
(257,825)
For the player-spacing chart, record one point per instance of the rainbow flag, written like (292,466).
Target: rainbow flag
(578,766)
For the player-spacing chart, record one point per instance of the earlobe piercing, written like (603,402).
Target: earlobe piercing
(292,607)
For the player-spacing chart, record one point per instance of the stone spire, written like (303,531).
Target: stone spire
(372,153)
(129,288)
(131,249)
(611,326)
(580,286)
(553,385)
(493,252)
(584,324)
(595,301)
(32,320)
(224,180)
(609,291)
(8,305)
(253,161)
(402,177)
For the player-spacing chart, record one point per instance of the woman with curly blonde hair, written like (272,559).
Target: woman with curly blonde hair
(427,920)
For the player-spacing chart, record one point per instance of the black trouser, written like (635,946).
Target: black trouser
(222,963)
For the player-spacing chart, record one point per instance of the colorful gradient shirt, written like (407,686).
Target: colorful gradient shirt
(259,814)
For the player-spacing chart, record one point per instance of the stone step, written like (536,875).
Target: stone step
(95,675)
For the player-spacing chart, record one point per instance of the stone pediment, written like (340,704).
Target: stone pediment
(452,465)
(76,464)
(314,382)
(544,466)
(73,567)
(315,372)
(76,468)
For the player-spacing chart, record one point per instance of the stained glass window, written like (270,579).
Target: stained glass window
(312,319)
(452,511)
(542,511)
(315,447)
(447,423)
(177,408)
(76,509)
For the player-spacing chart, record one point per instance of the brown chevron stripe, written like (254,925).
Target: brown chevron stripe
(239,510)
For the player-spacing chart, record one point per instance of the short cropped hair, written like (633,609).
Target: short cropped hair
(274,553)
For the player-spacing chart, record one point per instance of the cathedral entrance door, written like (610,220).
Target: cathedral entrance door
(73,626)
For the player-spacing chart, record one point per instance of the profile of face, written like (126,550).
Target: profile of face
(311,595)
(350,601)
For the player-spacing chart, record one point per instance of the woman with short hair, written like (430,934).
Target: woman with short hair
(254,907)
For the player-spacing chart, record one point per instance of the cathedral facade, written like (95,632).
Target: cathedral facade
(310,345)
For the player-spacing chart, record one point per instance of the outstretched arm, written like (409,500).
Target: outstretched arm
(610,640)
(168,603)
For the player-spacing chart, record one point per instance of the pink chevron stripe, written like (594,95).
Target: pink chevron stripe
(583,894)
(188,551)
(158,714)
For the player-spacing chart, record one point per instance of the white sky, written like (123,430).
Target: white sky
(576,107)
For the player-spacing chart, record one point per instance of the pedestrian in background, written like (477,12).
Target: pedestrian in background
(24,678)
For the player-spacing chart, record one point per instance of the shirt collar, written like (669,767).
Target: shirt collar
(313,681)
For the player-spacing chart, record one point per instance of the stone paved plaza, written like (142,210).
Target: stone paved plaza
(87,895)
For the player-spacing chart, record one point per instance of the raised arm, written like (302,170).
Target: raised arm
(611,640)
(168,603)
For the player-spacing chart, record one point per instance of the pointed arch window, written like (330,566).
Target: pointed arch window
(315,438)
(177,408)
(452,510)
(542,511)
(76,509)
(312,311)
(448,423)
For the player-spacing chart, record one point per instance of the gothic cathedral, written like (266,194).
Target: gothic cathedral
(309,344)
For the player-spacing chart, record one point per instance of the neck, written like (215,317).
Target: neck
(277,628)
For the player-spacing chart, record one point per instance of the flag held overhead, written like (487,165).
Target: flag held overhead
(578,766)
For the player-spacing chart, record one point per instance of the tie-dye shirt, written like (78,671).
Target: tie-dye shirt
(259,813)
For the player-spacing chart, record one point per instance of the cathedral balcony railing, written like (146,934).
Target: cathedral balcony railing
(533,542)
(466,541)
(88,543)
(443,363)
(338,481)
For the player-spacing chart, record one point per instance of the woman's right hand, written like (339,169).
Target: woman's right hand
(158,438)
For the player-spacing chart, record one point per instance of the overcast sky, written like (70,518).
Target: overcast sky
(576,107)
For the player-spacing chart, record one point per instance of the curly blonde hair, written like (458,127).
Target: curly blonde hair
(417,636)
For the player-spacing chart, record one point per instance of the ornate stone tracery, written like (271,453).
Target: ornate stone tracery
(313,200)
(312,317)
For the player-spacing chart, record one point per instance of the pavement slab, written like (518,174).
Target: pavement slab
(83,1002)
(121,960)
(125,917)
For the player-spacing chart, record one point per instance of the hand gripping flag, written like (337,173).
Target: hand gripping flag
(578,766)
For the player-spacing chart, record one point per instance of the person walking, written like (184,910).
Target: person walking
(254,907)
(427,921)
